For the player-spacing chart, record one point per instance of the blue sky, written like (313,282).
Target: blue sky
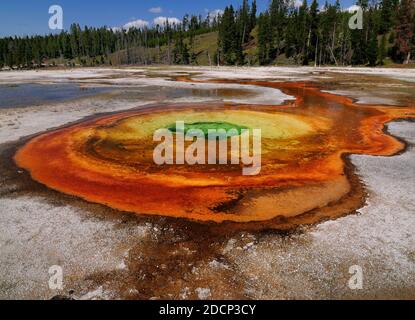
(28,17)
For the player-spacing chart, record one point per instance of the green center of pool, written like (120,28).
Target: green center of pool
(206,126)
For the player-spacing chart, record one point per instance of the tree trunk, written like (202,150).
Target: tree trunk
(243,35)
(334,58)
(408,58)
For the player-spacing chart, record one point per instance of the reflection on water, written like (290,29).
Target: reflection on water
(171,93)
(29,94)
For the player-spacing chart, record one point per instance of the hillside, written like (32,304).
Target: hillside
(205,48)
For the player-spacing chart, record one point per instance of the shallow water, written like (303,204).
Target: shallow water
(171,93)
(29,94)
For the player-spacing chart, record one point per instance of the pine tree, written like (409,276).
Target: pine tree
(358,38)
(303,32)
(75,31)
(278,14)
(404,31)
(382,50)
(290,34)
(264,37)
(180,51)
(313,31)
(372,43)
(229,38)
(253,15)
(227,34)
(372,49)
(387,10)
(244,22)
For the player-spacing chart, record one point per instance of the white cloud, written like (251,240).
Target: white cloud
(139,24)
(161,21)
(352,9)
(297,3)
(215,13)
(155,10)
